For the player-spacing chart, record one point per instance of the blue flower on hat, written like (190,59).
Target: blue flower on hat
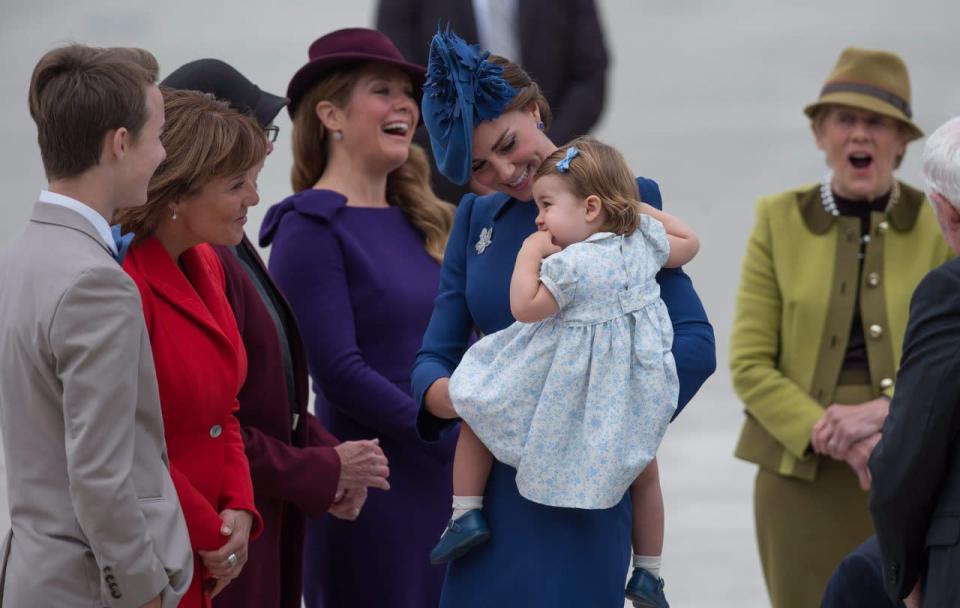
(463,88)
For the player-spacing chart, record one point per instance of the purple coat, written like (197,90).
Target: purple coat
(295,471)
(362,287)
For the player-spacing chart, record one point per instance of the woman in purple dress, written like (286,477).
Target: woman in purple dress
(357,252)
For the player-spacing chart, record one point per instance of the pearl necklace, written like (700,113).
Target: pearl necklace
(830,205)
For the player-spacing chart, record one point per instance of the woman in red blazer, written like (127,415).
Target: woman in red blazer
(199,196)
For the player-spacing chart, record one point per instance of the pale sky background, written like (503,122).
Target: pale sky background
(705,97)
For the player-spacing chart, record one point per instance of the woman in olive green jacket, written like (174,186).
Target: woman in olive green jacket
(820,316)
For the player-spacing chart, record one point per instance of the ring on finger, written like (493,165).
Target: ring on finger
(232,559)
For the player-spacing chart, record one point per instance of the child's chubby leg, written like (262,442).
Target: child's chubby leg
(468,527)
(648,516)
(645,587)
(471,465)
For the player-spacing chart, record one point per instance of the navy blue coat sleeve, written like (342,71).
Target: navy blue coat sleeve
(694,348)
(858,581)
(451,324)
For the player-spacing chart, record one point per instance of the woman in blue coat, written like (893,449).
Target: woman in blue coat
(487,120)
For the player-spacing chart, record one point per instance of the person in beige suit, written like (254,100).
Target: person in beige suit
(95,519)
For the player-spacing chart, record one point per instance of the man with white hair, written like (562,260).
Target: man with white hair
(915,497)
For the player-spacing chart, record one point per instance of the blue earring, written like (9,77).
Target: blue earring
(540,125)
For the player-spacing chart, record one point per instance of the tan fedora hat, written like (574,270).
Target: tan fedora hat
(876,81)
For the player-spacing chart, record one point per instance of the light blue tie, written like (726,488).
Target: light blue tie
(122,242)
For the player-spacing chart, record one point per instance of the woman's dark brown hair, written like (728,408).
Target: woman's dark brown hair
(528,91)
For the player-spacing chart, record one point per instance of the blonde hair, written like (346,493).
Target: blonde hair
(600,170)
(205,139)
(408,186)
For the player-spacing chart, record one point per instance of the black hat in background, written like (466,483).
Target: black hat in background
(224,82)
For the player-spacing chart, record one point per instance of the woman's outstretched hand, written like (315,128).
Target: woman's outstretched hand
(362,465)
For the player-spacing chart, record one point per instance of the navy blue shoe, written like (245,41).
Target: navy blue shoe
(645,590)
(462,535)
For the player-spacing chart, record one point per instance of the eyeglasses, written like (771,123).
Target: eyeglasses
(271,132)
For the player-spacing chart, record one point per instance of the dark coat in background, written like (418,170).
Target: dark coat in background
(295,470)
(915,499)
(561,47)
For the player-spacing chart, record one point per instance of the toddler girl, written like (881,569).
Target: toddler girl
(578,393)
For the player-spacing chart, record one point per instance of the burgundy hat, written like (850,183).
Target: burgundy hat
(350,45)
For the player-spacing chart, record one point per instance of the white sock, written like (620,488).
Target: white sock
(650,563)
(462,504)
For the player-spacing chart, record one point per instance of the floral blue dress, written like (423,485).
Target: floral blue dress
(579,402)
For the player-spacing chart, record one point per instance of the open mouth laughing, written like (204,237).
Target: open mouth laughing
(860,160)
(397,128)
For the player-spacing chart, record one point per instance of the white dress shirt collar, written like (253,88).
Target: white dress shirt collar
(99,224)
(497,27)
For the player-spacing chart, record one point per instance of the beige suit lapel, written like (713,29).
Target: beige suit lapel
(48,213)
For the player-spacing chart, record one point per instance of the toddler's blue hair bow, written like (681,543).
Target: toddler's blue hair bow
(563,165)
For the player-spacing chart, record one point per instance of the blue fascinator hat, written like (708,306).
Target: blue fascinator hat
(463,89)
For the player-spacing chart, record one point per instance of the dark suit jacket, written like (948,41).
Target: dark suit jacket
(295,471)
(561,47)
(915,499)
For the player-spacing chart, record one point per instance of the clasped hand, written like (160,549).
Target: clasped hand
(236,526)
(849,433)
(362,465)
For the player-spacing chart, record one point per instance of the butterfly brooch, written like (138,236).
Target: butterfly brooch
(486,237)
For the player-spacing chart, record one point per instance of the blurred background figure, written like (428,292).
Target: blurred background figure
(357,252)
(199,196)
(560,43)
(817,336)
(298,468)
